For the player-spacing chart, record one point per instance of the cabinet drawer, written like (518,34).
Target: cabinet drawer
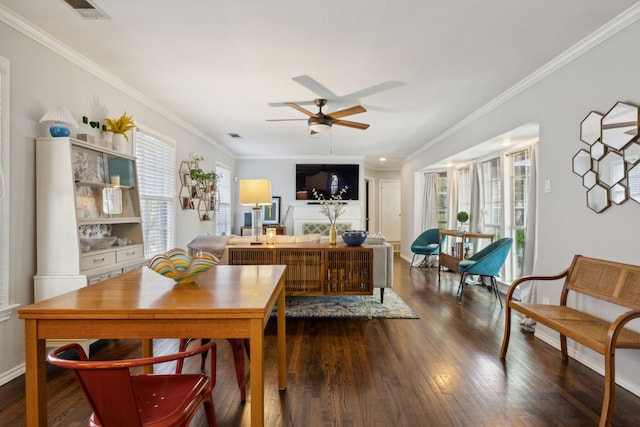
(100,277)
(88,262)
(130,253)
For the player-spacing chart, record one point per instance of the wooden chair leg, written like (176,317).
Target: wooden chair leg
(239,347)
(507,333)
(609,388)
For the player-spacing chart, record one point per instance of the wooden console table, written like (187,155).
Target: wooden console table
(314,268)
(454,247)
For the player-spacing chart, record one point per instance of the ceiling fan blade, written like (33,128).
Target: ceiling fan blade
(347,123)
(314,86)
(347,112)
(301,109)
(372,90)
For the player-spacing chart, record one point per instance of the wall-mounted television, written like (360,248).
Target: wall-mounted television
(328,180)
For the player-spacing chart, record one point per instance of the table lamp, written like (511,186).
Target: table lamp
(255,193)
(59,119)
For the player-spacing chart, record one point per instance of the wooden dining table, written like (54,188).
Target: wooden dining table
(225,302)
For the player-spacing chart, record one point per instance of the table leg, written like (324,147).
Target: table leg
(35,375)
(147,351)
(256,343)
(282,343)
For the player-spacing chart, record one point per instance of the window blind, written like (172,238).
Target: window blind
(156,181)
(223,216)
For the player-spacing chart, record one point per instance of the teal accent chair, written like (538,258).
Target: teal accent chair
(486,263)
(427,244)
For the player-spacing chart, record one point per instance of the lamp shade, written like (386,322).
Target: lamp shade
(60,120)
(255,192)
(319,125)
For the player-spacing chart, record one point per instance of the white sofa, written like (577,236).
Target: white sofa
(382,252)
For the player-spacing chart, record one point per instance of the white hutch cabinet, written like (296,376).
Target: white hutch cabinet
(88,215)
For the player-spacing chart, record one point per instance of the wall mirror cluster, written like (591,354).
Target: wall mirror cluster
(198,190)
(610,164)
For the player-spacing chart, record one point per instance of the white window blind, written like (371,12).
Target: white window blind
(4,185)
(223,216)
(156,179)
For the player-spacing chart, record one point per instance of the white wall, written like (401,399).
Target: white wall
(594,81)
(41,79)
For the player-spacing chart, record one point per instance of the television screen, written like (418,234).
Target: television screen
(328,180)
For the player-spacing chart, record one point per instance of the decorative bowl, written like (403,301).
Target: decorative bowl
(354,237)
(182,268)
(96,243)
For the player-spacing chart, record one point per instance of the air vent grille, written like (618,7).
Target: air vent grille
(87,9)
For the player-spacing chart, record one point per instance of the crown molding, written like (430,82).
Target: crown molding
(594,39)
(45,39)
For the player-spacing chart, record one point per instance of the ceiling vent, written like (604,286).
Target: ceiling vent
(87,9)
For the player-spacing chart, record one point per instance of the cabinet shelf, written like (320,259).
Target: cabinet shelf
(93,221)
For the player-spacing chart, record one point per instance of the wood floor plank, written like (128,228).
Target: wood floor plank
(442,369)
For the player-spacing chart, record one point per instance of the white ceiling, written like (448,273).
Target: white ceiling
(419,66)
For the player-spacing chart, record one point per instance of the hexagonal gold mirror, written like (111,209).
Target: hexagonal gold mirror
(598,199)
(618,194)
(620,125)
(589,179)
(633,178)
(611,169)
(581,162)
(590,128)
(632,153)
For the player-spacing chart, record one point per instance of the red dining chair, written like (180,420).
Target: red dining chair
(120,399)
(239,346)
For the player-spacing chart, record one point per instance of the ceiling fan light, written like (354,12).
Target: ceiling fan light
(318,125)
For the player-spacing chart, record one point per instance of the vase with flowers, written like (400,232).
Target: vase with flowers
(332,208)
(120,127)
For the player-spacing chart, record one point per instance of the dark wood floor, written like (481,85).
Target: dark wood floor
(440,370)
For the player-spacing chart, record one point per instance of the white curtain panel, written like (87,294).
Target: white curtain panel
(430,203)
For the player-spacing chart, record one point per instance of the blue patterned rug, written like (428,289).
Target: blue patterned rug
(365,307)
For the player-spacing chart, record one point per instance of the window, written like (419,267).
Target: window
(156,179)
(520,168)
(491,218)
(223,216)
(4,188)
(442,199)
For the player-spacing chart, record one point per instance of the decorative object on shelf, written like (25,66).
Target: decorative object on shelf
(179,266)
(271,212)
(354,237)
(271,235)
(332,208)
(120,127)
(609,167)
(60,120)
(255,193)
(462,217)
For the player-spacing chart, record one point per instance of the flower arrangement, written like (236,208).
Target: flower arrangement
(121,125)
(333,207)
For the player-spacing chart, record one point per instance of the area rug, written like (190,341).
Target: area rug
(365,307)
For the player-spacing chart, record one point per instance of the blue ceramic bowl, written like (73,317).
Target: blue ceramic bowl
(354,237)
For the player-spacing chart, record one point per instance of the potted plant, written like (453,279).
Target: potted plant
(205,180)
(120,127)
(462,217)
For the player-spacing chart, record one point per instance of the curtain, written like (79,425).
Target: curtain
(476,196)
(528,289)
(453,199)
(429,202)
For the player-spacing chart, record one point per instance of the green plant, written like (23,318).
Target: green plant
(122,125)
(202,178)
(462,216)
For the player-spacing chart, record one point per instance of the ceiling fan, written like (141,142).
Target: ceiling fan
(321,122)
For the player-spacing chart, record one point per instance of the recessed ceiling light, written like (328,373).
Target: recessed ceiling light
(383,159)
